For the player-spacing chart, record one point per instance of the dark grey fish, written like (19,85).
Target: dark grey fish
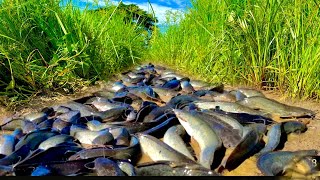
(179,101)
(29,127)
(274,135)
(121,136)
(159,111)
(77,128)
(294,127)
(144,111)
(127,167)
(274,163)
(55,140)
(71,116)
(36,117)
(61,110)
(124,153)
(230,136)
(33,139)
(59,124)
(116,113)
(84,109)
(246,118)
(169,168)
(58,168)
(243,150)
(16,156)
(56,153)
(106,167)
(12,124)
(45,124)
(104,93)
(159,130)
(172,84)
(274,107)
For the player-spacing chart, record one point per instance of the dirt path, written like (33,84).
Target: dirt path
(307,140)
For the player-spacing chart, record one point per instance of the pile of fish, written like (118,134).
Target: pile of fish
(154,112)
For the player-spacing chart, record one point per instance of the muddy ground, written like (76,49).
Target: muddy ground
(307,140)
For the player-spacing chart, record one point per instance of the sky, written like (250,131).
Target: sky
(159,6)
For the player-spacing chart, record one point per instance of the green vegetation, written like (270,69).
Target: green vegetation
(262,43)
(44,47)
(133,14)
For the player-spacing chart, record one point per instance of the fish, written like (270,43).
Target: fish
(77,128)
(127,168)
(36,117)
(217,117)
(17,155)
(159,130)
(274,107)
(12,124)
(169,168)
(274,135)
(70,116)
(29,127)
(45,124)
(245,118)
(131,152)
(33,139)
(55,153)
(84,109)
(55,140)
(181,100)
(274,163)
(250,92)
(294,127)
(106,167)
(157,150)
(59,124)
(94,137)
(61,109)
(223,96)
(227,133)
(242,151)
(121,136)
(58,168)
(95,125)
(233,107)
(7,142)
(173,137)
(207,139)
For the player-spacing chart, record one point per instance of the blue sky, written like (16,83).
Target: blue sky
(160,6)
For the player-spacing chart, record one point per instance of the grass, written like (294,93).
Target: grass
(45,48)
(265,44)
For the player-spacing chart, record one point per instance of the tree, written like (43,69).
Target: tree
(134,14)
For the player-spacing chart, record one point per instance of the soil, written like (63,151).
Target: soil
(304,141)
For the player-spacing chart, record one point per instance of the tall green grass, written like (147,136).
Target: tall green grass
(261,43)
(45,47)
